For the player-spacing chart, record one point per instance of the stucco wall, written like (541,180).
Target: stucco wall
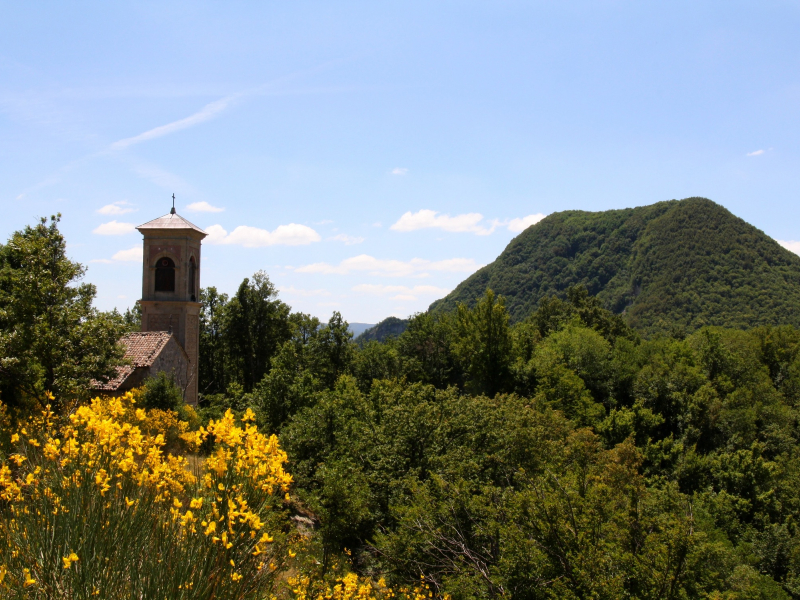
(172,360)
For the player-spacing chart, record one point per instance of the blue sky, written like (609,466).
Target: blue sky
(371,155)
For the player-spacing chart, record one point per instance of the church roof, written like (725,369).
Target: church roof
(170,221)
(141,348)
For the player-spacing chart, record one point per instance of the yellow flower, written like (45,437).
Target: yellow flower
(196,503)
(212,527)
(29,581)
(68,560)
(235,576)
(15,438)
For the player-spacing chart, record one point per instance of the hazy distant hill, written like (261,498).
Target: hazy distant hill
(684,263)
(358,328)
(389,326)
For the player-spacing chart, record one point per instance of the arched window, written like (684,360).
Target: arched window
(192,278)
(165,275)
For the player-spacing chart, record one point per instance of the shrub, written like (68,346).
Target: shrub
(90,506)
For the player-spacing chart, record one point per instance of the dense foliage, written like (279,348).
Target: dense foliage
(671,266)
(51,338)
(560,457)
(91,507)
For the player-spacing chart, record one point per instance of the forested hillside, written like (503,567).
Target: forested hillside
(671,266)
(562,456)
(390,326)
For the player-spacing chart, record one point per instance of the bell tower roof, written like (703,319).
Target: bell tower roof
(173,222)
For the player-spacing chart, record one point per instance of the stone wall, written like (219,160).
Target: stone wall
(172,360)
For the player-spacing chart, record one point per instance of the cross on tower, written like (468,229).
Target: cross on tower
(172,212)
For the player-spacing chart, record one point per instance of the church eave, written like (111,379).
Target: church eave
(170,222)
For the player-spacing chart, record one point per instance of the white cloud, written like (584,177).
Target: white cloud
(756,153)
(348,240)
(399,171)
(253,237)
(293,291)
(114,228)
(204,114)
(104,261)
(428,219)
(517,225)
(203,207)
(466,223)
(402,292)
(117,208)
(216,234)
(416,267)
(790,245)
(131,255)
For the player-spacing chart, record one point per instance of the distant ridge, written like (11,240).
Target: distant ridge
(358,328)
(680,263)
(390,326)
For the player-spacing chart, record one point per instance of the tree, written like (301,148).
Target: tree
(331,351)
(484,344)
(256,324)
(132,317)
(53,342)
(426,347)
(212,348)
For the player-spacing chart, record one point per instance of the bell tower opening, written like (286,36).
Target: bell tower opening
(165,275)
(192,279)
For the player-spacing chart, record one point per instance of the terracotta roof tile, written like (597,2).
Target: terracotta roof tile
(143,346)
(142,349)
(113,384)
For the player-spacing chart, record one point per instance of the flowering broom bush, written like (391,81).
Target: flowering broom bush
(91,506)
(352,587)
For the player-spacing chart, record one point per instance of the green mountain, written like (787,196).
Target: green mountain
(389,326)
(676,264)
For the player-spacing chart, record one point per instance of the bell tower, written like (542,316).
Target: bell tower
(171,286)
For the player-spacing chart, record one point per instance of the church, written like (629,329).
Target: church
(169,337)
